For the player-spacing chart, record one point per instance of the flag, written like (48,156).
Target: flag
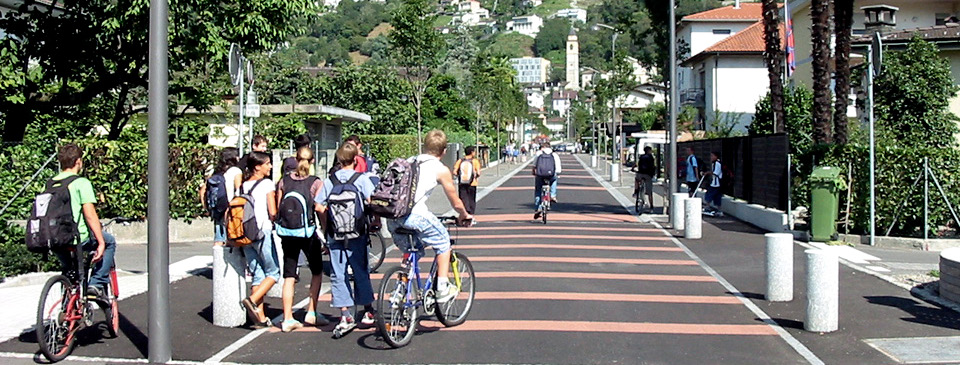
(791,53)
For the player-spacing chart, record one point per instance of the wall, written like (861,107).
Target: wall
(699,36)
(740,82)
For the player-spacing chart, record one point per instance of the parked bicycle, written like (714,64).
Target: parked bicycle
(403,293)
(65,308)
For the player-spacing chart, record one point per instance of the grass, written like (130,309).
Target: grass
(511,45)
(380,29)
(550,7)
(442,20)
(934,273)
(839,243)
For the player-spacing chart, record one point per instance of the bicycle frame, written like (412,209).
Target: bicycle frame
(421,285)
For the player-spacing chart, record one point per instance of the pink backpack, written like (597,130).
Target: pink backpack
(394,196)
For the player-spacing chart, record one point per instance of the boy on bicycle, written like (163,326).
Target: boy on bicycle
(646,170)
(542,163)
(82,200)
(430,231)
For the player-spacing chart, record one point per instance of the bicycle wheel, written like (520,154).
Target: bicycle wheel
(455,311)
(396,318)
(54,331)
(376,251)
(112,309)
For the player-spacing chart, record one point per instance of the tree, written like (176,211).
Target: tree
(95,53)
(416,48)
(912,98)
(377,91)
(820,35)
(843,20)
(495,93)
(612,90)
(773,58)
(657,34)
(552,36)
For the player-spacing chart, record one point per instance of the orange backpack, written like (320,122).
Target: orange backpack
(241,221)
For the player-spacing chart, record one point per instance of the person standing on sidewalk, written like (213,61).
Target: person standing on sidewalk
(261,255)
(714,196)
(692,172)
(467,170)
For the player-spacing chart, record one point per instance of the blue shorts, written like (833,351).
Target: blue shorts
(219,231)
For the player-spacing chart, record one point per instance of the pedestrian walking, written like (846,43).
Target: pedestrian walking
(467,171)
(714,196)
(692,175)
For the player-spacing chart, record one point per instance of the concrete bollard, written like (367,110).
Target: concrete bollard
(693,218)
(676,210)
(779,266)
(823,291)
(229,287)
(277,290)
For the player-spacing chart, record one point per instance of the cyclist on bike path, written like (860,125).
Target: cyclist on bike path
(82,200)
(541,163)
(430,231)
(646,170)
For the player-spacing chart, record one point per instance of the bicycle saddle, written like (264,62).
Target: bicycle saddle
(401,230)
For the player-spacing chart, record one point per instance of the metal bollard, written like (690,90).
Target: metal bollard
(693,218)
(276,291)
(779,267)
(823,291)
(229,287)
(676,210)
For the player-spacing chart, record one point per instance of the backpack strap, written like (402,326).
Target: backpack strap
(252,188)
(66,181)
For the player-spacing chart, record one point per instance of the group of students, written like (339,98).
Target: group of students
(697,173)
(348,187)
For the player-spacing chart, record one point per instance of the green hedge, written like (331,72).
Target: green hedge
(387,147)
(15,259)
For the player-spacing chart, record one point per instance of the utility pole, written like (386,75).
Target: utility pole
(672,162)
(158,189)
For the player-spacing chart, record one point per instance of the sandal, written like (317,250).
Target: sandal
(253,313)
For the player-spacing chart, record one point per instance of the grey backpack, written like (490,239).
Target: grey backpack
(394,196)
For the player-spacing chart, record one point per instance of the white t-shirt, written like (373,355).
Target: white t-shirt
(717,174)
(230,175)
(429,169)
(265,187)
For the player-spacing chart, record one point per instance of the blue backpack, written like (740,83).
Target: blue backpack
(216,199)
(345,209)
(295,217)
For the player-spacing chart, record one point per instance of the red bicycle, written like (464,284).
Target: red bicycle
(65,308)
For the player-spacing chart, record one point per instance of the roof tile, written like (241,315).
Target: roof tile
(747,11)
(747,40)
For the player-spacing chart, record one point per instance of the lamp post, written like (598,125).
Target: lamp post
(672,173)
(617,128)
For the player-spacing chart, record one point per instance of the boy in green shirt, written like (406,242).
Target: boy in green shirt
(82,199)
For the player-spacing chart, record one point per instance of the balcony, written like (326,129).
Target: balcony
(693,97)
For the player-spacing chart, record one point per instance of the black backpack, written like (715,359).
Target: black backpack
(296,216)
(216,198)
(51,224)
(545,166)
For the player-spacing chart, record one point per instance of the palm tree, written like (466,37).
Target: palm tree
(843,24)
(820,34)
(773,58)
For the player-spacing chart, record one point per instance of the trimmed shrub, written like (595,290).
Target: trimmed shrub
(387,147)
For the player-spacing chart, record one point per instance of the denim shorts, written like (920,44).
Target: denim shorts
(219,231)
(430,232)
(262,260)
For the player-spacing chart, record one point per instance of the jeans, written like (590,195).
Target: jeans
(430,232)
(101,269)
(714,196)
(219,231)
(353,253)
(262,260)
(539,185)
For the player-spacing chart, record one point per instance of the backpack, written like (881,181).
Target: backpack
(465,173)
(394,196)
(545,166)
(241,221)
(373,166)
(646,165)
(51,224)
(345,209)
(216,198)
(295,217)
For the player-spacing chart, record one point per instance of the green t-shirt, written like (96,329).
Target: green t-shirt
(81,192)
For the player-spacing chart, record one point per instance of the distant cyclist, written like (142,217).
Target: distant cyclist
(546,168)
(646,170)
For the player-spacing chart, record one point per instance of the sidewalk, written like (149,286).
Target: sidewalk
(886,312)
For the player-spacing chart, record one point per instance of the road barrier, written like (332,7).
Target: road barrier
(676,210)
(229,287)
(823,291)
(693,218)
(779,266)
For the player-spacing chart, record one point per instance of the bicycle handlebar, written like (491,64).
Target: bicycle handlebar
(454,220)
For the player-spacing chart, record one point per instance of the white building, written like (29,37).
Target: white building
(527,25)
(533,3)
(561,101)
(470,13)
(573,61)
(469,6)
(531,69)
(535,98)
(729,79)
(576,14)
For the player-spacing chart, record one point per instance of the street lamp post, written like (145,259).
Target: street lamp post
(617,128)
(672,173)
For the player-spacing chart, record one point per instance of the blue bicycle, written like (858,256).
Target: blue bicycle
(403,293)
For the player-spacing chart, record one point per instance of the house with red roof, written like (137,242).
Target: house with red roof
(723,74)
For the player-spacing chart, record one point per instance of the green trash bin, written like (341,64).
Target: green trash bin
(825,187)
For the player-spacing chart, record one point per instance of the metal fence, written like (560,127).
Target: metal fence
(758,164)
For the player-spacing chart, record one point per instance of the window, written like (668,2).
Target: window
(721,31)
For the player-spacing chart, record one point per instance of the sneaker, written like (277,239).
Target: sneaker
(94,292)
(316,319)
(290,325)
(368,318)
(346,325)
(537,214)
(447,294)
(553,199)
